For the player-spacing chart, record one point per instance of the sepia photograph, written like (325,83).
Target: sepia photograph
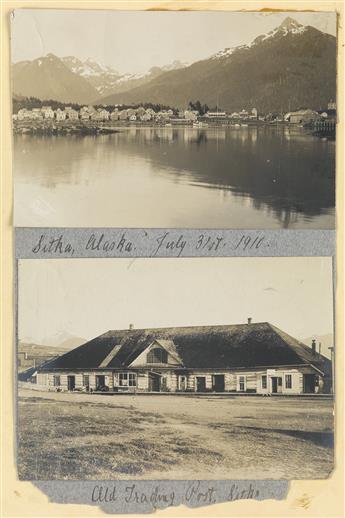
(199,119)
(186,369)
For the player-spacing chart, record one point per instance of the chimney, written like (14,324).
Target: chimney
(249,320)
(313,346)
(319,347)
(131,327)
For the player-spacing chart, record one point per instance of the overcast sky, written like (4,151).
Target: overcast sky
(87,297)
(135,41)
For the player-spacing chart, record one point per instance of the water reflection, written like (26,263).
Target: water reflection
(261,177)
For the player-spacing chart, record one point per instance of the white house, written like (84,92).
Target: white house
(71,114)
(104,114)
(190,115)
(36,114)
(60,115)
(48,112)
(114,116)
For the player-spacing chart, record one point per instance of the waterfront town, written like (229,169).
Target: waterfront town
(97,116)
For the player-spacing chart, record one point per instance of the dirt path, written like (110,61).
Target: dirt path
(173,436)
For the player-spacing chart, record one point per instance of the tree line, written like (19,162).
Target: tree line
(201,108)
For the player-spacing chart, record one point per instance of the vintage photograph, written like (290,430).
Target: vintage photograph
(198,368)
(198,119)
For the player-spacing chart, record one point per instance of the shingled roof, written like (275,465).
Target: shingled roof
(227,346)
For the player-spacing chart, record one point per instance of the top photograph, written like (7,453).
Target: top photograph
(203,119)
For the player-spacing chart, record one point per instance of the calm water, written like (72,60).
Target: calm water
(261,177)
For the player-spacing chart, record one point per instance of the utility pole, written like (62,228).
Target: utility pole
(333,368)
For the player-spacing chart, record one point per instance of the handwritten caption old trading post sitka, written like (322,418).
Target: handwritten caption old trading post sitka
(193,495)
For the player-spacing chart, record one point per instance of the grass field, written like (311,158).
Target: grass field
(81,436)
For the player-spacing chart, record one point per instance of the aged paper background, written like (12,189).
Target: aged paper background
(306,498)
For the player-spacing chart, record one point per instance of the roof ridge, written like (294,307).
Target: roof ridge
(244,324)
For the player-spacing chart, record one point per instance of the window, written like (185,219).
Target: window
(242,383)
(264,382)
(86,380)
(127,379)
(288,381)
(56,381)
(157,355)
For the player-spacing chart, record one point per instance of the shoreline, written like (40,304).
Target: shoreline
(82,128)
(60,128)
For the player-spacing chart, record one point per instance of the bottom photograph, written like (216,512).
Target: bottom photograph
(174,368)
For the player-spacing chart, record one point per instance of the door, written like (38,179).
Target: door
(182,383)
(100,381)
(154,383)
(277,385)
(71,382)
(309,383)
(200,383)
(218,383)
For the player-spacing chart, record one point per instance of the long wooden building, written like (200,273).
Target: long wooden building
(252,358)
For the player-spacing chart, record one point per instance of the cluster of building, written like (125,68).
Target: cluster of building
(141,114)
(246,358)
(90,113)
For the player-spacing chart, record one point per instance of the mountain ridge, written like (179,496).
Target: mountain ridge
(49,78)
(61,340)
(289,67)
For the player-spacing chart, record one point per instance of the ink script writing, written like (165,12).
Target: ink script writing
(148,243)
(194,494)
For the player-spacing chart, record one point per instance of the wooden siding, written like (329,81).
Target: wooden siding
(253,379)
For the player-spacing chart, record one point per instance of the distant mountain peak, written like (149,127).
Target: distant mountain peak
(88,68)
(290,24)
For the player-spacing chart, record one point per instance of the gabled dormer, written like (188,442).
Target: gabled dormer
(160,353)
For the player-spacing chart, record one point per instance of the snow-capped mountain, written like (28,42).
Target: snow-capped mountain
(106,80)
(290,67)
(87,68)
(70,79)
(101,77)
(49,78)
(288,27)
